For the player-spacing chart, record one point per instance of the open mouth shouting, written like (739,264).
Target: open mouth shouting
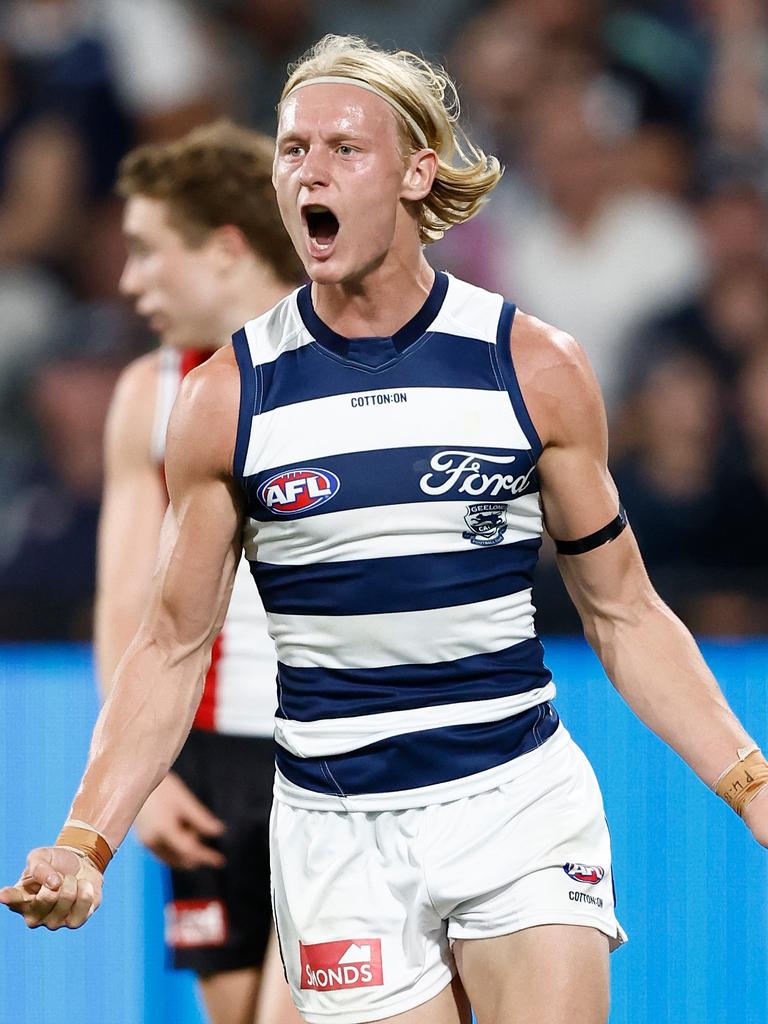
(322,229)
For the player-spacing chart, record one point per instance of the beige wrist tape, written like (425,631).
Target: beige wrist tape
(88,841)
(743,780)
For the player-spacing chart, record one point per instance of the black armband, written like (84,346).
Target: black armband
(596,539)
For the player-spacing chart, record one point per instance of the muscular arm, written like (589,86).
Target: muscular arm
(132,512)
(648,654)
(173,824)
(158,684)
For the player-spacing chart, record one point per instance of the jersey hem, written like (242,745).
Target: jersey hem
(443,792)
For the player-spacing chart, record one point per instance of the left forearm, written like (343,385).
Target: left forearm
(655,665)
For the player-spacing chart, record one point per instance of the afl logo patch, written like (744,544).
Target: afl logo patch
(298,490)
(589,873)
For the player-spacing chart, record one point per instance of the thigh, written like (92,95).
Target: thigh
(551,974)
(358,934)
(230,996)
(276,1005)
(450,1006)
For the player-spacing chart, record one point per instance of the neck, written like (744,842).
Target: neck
(379,304)
(251,294)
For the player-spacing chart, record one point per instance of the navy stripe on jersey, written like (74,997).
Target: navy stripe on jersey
(405,583)
(503,353)
(372,354)
(391,477)
(445,361)
(247,400)
(313,694)
(423,758)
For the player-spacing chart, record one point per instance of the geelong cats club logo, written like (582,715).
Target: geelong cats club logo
(487,522)
(298,490)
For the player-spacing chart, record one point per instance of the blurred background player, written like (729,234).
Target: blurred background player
(206,251)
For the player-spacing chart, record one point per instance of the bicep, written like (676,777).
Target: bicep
(578,495)
(201,538)
(577,491)
(580,498)
(200,546)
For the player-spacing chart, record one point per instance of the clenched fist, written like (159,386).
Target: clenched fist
(57,889)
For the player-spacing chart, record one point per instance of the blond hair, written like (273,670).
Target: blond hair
(426,104)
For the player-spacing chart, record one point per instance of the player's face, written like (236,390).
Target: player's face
(339,175)
(176,287)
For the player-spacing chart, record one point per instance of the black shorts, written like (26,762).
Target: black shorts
(219,919)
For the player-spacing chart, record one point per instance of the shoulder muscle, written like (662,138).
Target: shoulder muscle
(565,404)
(203,426)
(558,384)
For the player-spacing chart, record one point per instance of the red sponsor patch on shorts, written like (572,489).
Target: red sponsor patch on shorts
(348,963)
(190,923)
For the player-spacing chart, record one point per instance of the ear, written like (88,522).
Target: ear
(227,246)
(420,172)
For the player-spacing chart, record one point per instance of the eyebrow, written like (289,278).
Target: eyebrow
(335,136)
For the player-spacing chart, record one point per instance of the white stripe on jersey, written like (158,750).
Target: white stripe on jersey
(279,330)
(468,312)
(413,529)
(445,417)
(340,735)
(246,692)
(403,638)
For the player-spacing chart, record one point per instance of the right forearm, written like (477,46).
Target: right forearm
(114,629)
(140,730)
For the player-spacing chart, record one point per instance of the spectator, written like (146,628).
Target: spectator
(737,93)
(48,535)
(727,318)
(591,255)
(40,168)
(674,484)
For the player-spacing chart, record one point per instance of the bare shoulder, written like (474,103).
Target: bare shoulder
(558,384)
(132,410)
(138,379)
(203,426)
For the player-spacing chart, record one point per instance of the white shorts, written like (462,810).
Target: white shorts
(367,903)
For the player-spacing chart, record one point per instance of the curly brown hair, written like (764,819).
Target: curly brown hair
(215,175)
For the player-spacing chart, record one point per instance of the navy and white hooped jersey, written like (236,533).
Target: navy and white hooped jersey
(393,528)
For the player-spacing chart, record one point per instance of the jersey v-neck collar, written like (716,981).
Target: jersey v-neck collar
(373,353)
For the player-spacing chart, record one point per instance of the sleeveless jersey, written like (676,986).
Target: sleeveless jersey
(393,528)
(239,696)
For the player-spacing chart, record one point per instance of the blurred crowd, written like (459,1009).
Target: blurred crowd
(633,213)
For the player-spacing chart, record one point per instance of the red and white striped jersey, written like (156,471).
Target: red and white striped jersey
(240,692)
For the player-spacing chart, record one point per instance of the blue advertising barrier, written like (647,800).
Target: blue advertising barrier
(692,885)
